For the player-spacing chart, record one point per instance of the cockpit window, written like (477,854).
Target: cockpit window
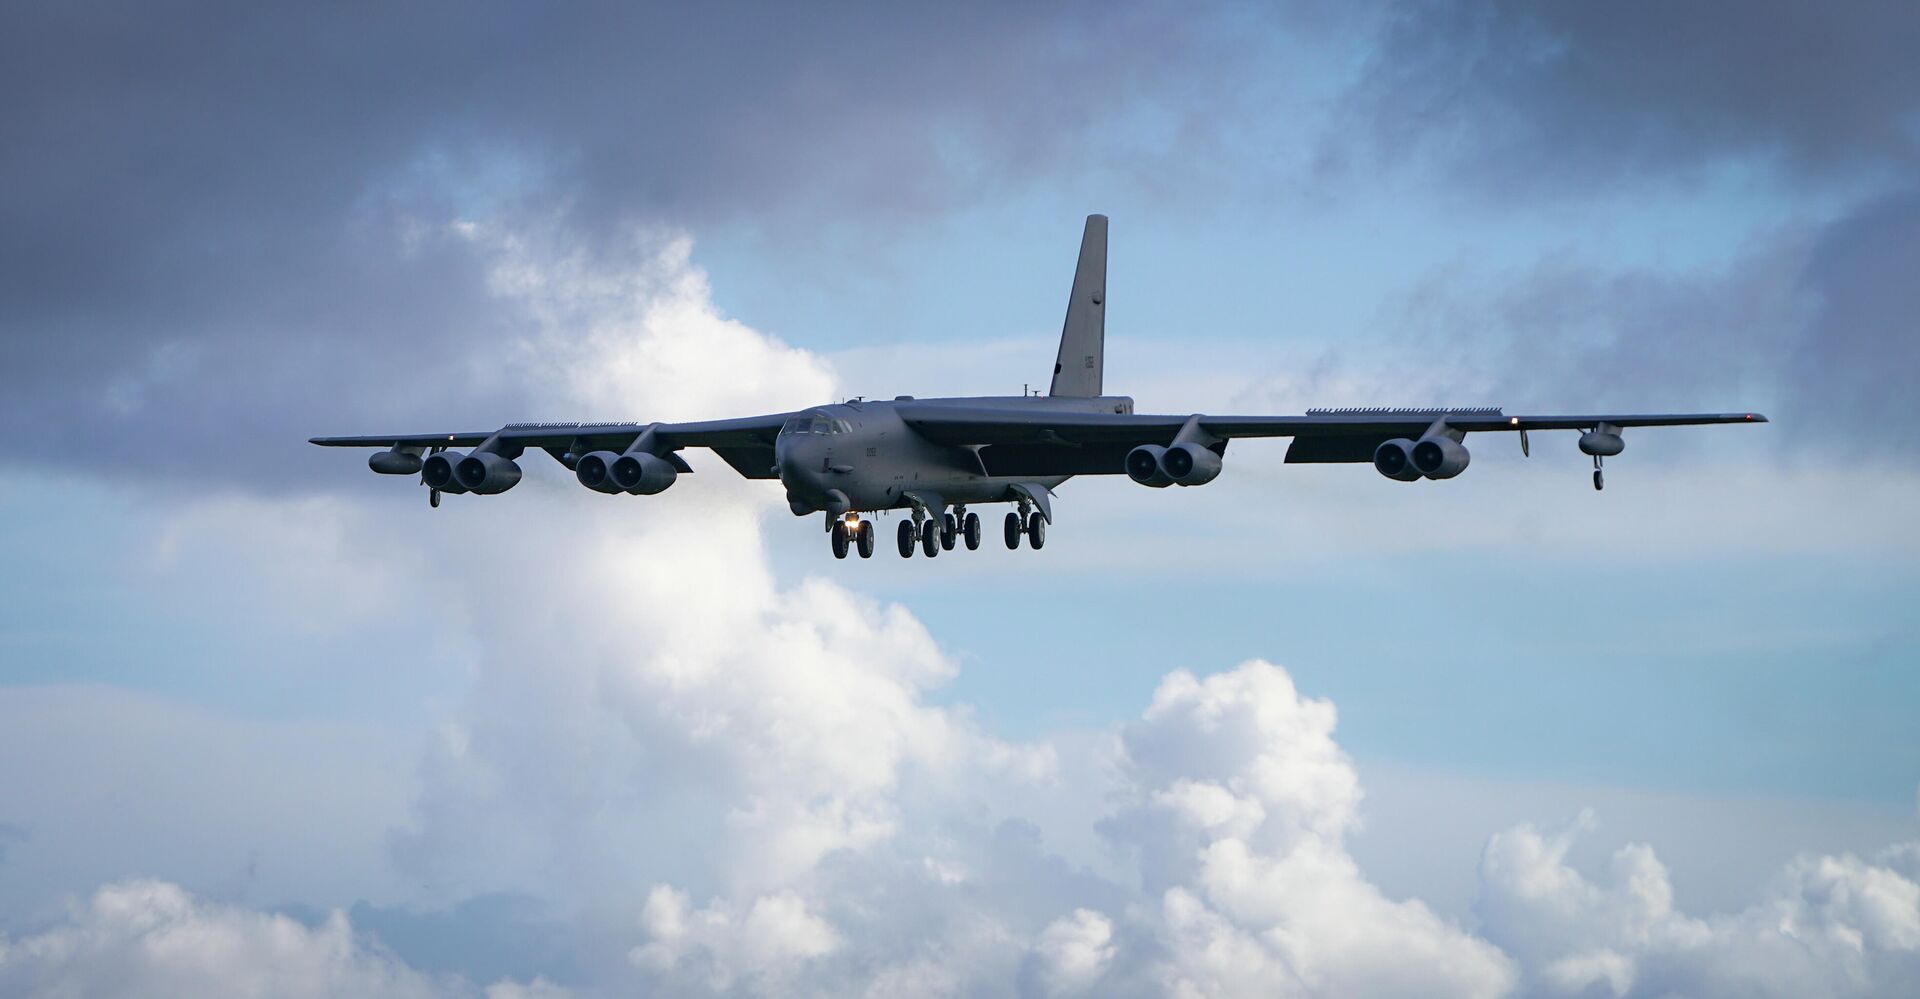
(814,423)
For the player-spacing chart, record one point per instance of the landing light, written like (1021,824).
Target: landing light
(1514,421)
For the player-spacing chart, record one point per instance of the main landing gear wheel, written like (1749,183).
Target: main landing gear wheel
(930,539)
(863,539)
(1599,480)
(949,531)
(1036,530)
(906,539)
(1013,531)
(840,539)
(970,529)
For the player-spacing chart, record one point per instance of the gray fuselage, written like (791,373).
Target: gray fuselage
(861,456)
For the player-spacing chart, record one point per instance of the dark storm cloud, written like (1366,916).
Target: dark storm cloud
(1570,100)
(220,220)
(1565,95)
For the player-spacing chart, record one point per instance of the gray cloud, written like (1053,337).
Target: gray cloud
(1563,96)
(1580,101)
(219,220)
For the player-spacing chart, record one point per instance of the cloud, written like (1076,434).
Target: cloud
(234,229)
(1828,925)
(1523,97)
(151,938)
(721,781)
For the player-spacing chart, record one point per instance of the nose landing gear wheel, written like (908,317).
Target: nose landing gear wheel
(949,531)
(970,529)
(1013,531)
(930,539)
(863,539)
(840,540)
(906,539)
(433,498)
(1036,530)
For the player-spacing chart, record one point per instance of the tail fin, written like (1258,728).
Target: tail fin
(1083,340)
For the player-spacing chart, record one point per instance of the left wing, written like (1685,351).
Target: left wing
(745,443)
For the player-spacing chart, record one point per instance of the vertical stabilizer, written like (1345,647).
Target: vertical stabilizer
(1083,340)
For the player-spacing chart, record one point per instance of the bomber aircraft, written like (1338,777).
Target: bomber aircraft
(937,457)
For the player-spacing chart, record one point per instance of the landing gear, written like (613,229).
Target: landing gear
(840,539)
(970,529)
(1036,530)
(930,538)
(1599,479)
(433,498)
(949,531)
(907,537)
(1013,531)
(863,539)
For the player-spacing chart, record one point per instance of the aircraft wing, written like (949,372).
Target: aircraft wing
(1324,435)
(745,443)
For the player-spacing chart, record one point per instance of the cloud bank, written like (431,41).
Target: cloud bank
(719,782)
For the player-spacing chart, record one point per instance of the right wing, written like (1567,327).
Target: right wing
(1015,442)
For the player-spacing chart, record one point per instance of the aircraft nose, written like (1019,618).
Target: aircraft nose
(800,469)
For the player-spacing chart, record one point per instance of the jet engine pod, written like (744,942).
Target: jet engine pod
(1190,464)
(643,474)
(437,471)
(1601,445)
(487,473)
(595,471)
(1394,459)
(1144,466)
(1440,457)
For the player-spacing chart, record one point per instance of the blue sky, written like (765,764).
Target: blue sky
(249,683)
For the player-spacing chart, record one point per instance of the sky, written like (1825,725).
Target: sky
(270,726)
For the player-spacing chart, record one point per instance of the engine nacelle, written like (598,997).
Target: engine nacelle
(643,474)
(1190,464)
(1144,466)
(595,471)
(1601,445)
(1440,457)
(395,462)
(487,473)
(1394,459)
(437,471)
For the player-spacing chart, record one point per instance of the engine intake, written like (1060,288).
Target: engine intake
(595,471)
(1144,466)
(1190,464)
(437,471)
(643,474)
(1440,457)
(1394,459)
(487,473)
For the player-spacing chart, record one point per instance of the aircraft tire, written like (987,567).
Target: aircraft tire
(970,530)
(930,539)
(1036,530)
(863,539)
(840,539)
(1013,531)
(949,532)
(906,539)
